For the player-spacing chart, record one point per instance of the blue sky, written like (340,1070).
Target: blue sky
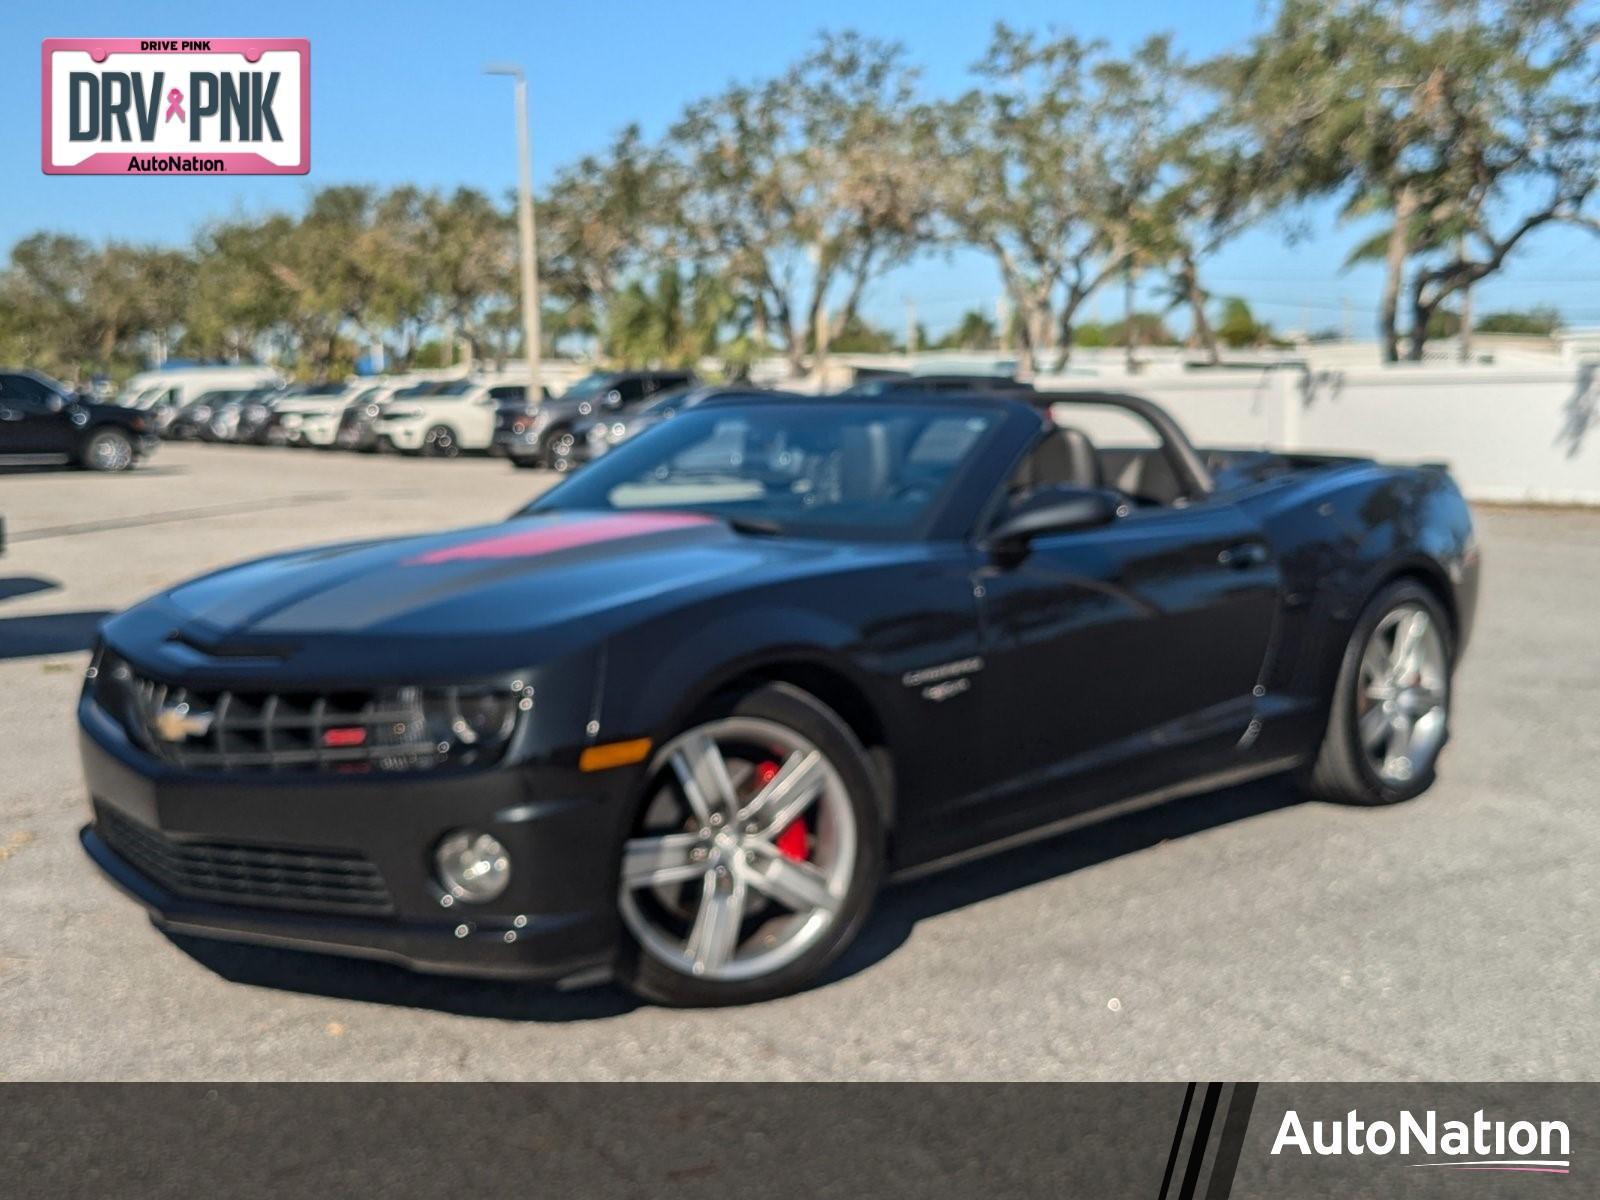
(398,95)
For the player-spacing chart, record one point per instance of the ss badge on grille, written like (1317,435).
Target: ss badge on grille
(179,722)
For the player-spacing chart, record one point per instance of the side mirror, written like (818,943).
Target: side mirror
(1056,509)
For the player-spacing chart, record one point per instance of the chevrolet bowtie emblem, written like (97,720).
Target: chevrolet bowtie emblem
(179,722)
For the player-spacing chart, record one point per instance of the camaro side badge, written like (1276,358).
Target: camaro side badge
(945,680)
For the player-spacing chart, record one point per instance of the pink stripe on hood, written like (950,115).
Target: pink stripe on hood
(565,535)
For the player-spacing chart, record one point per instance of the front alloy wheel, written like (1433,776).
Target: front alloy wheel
(1390,711)
(754,857)
(1401,698)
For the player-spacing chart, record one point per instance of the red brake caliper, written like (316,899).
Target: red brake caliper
(794,841)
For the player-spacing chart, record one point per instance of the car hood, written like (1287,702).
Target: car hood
(309,406)
(549,580)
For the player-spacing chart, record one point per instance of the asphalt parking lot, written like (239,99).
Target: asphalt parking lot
(1242,934)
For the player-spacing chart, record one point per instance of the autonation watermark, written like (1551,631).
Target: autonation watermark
(1478,1144)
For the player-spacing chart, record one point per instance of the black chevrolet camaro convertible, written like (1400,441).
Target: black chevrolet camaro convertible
(677,721)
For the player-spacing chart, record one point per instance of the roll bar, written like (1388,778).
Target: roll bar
(1186,462)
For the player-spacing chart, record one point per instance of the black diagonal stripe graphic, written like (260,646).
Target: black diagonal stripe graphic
(1202,1135)
(1177,1141)
(1231,1144)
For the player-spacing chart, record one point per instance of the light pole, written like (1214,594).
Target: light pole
(525,230)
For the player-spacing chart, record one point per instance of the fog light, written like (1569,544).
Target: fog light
(472,866)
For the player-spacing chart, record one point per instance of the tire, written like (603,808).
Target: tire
(107,450)
(828,860)
(1365,757)
(440,442)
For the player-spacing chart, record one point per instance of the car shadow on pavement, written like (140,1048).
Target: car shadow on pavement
(142,470)
(901,906)
(50,633)
(383,983)
(26,585)
(898,910)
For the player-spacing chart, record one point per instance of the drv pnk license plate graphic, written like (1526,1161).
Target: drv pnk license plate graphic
(176,106)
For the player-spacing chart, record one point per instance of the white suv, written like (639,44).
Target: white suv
(302,418)
(443,421)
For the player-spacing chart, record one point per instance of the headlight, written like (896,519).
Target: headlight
(467,718)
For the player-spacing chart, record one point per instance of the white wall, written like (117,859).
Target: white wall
(1511,434)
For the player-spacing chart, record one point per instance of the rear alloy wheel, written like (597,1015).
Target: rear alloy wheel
(1391,708)
(440,442)
(756,855)
(108,450)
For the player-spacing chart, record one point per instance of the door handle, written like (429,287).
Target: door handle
(1246,554)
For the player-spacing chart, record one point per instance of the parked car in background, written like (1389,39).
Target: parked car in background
(307,410)
(440,420)
(194,419)
(43,418)
(163,393)
(967,385)
(255,416)
(545,437)
(355,429)
(595,435)
(238,415)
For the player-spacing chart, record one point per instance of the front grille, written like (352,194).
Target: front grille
(351,732)
(263,876)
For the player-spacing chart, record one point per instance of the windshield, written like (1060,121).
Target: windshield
(672,400)
(425,388)
(589,385)
(820,469)
(878,386)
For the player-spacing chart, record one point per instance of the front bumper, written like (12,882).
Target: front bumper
(556,922)
(319,431)
(519,447)
(405,438)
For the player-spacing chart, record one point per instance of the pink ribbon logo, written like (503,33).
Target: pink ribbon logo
(175,105)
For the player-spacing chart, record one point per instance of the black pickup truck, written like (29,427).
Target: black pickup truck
(42,418)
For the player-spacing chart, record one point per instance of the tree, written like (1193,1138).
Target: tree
(1465,124)
(1239,327)
(470,268)
(238,299)
(974,331)
(815,179)
(1536,322)
(45,292)
(72,307)
(1148,330)
(603,220)
(1052,165)
(860,336)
